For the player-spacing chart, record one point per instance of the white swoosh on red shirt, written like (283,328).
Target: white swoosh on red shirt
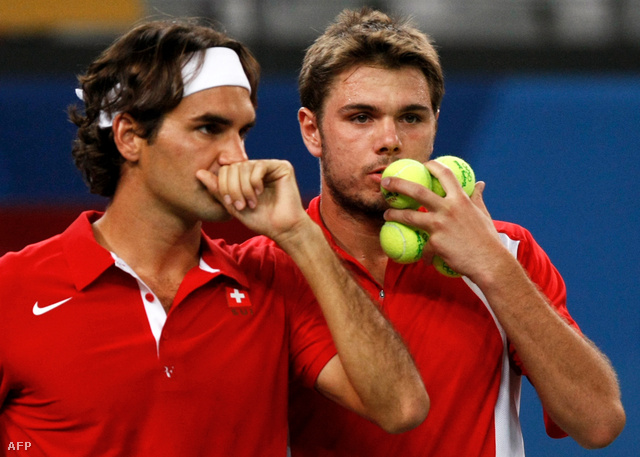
(39,311)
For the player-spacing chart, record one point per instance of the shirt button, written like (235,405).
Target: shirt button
(149,297)
(381,294)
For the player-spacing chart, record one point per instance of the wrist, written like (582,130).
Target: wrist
(299,237)
(500,268)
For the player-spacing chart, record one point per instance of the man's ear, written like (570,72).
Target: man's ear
(310,131)
(125,137)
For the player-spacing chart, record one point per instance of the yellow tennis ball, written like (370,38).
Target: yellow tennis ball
(464,173)
(442,267)
(408,169)
(402,243)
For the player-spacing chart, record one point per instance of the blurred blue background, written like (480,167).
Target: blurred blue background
(553,128)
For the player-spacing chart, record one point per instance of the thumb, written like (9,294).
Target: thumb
(477,197)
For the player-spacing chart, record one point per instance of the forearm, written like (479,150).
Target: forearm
(575,382)
(377,364)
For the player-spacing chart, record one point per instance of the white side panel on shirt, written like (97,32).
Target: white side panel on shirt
(509,441)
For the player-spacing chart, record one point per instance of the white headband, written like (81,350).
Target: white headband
(220,67)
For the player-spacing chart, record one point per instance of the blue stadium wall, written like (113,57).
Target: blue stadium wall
(559,153)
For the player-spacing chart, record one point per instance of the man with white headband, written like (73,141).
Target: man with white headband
(133,333)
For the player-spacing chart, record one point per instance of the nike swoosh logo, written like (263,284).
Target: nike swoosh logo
(39,311)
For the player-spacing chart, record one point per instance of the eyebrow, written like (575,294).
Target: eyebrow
(367,107)
(220,120)
(417,107)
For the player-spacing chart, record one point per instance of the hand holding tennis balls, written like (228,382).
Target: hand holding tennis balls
(403,243)
(408,169)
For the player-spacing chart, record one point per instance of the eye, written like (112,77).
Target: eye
(411,118)
(210,128)
(360,118)
(244,132)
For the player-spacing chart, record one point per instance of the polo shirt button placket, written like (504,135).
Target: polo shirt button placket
(150,298)
(167,367)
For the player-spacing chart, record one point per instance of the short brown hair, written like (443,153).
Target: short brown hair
(140,74)
(372,37)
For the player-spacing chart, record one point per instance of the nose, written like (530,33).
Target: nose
(389,138)
(233,150)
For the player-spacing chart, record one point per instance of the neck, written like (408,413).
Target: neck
(358,235)
(152,243)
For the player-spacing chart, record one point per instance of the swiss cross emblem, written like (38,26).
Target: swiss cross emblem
(237,298)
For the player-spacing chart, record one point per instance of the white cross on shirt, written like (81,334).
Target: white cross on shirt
(237,295)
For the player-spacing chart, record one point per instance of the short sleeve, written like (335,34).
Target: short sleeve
(311,345)
(310,342)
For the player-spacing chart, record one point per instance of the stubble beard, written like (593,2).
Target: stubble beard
(345,193)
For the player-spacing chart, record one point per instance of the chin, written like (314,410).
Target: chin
(211,211)
(216,216)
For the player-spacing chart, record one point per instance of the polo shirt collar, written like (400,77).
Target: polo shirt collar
(88,260)
(215,255)
(314,212)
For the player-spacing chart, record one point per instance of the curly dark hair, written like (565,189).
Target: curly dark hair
(366,36)
(140,74)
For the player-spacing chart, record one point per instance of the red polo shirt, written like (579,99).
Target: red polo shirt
(471,373)
(90,365)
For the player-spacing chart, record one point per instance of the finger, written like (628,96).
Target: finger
(427,254)
(208,180)
(211,183)
(233,185)
(413,218)
(223,186)
(478,198)
(423,195)
(250,173)
(256,181)
(245,182)
(447,178)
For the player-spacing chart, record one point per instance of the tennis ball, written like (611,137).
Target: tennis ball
(402,243)
(462,170)
(408,169)
(442,267)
